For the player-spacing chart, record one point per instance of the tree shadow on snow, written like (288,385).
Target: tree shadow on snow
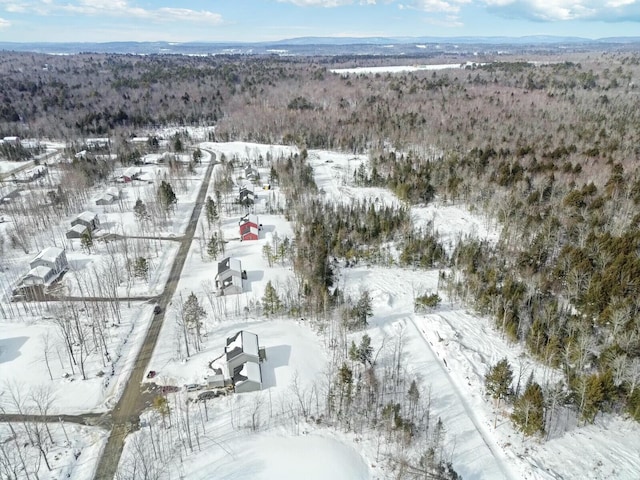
(277,356)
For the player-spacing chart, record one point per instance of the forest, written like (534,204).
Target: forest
(549,149)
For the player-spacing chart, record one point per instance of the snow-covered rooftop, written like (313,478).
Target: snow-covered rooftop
(87,216)
(251,370)
(39,272)
(49,254)
(78,228)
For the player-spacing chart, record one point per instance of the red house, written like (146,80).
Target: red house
(249,227)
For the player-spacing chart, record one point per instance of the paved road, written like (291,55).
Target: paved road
(127,412)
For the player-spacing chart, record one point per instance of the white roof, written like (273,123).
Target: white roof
(251,218)
(79,228)
(251,370)
(249,343)
(113,191)
(235,264)
(107,197)
(49,254)
(40,271)
(87,216)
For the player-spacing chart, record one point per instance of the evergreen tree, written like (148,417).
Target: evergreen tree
(141,268)
(140,210)
(365,350)
(270,301)
(197,155)
(213,246)
(528,410)
(498,380)
(363,309)
(211,211)
(166,196)
(86,241)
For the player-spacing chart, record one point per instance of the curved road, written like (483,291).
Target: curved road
(125,416)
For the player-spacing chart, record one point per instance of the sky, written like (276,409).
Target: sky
(266,20)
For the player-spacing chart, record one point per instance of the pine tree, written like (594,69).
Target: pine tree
(270,301)
(363,309)
(498,380)
(213,247)
(141,268)
(211,211)
(365,350)
(528,410)
(197,155)
(140,210)
(166,196)
(86,241)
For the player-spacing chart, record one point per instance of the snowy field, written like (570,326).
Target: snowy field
(255,435)
(72,450)
(401,68)
(23,368)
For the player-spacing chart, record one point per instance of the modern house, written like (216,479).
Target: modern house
(241,348)
(51,257)
(46,267)
(249,227)
(88,219)
(229,277)
(246,196)
(239,365)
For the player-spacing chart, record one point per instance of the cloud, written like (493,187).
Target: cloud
(565,10)
(440,6)
(112,8)
(4,23)
(327,3)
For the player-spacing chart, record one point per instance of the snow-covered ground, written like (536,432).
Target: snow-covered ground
(254,435)
(402,68)
(23,368)
(74,452)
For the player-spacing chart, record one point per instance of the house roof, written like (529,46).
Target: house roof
(242,341)
(248,228)
(39,272)
(78,228)
(107,197)
(49,254)
(249,218)
(249,372)
(229,264)
(87,216)
(113,191)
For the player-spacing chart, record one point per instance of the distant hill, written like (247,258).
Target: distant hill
(322,45)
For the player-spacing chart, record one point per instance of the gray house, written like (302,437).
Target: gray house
(243,361)
(77,231)
(229,277)
(241,348)
(88,219)
(46,267)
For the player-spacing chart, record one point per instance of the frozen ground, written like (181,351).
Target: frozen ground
(401,68)
(23,368)
(73,454)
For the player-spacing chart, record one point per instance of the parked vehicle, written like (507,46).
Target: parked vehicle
(192,387)
(209,394)
(151,374)
(169,389)
(157,309)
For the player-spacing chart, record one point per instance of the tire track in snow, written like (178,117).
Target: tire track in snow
(499,458)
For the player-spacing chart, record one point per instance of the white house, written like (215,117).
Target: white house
(248,378)
(229,277)
(51,257)
(241,348)
(46,267)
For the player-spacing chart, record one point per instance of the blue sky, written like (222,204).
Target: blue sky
(259,20)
